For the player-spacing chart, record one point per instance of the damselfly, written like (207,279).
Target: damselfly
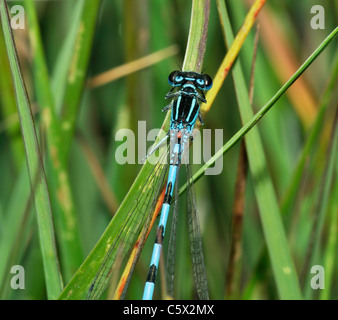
(184,112)
(187,94)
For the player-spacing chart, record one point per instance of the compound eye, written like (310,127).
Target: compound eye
(179,78)
(172,79)
(200,82)
(207,82)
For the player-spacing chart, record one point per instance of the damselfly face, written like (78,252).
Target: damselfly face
(179,78)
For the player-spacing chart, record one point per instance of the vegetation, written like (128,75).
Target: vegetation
(82,70)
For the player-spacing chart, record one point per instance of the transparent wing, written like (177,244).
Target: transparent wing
(170,264)
(195,240)
(138,218)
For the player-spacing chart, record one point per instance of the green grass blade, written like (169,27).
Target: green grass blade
(260,114)
(15,220)
(79,285)
(35,166)
(7,100)
(291,191)
(282,264)
(67,227)
(193,58)
(74,84)
(330,261)
(14,210)
(321,206)
(62,66)
(67,80)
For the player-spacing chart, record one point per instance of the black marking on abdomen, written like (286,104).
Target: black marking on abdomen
(167,197)
(152,274)
(159,235)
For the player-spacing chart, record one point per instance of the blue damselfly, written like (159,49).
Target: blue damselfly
(184,112)
(186,94)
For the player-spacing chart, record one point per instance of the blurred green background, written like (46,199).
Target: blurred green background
(124,31)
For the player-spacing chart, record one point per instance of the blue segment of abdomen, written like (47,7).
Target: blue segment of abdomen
(166,206)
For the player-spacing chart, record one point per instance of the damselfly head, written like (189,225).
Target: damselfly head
(179,78)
